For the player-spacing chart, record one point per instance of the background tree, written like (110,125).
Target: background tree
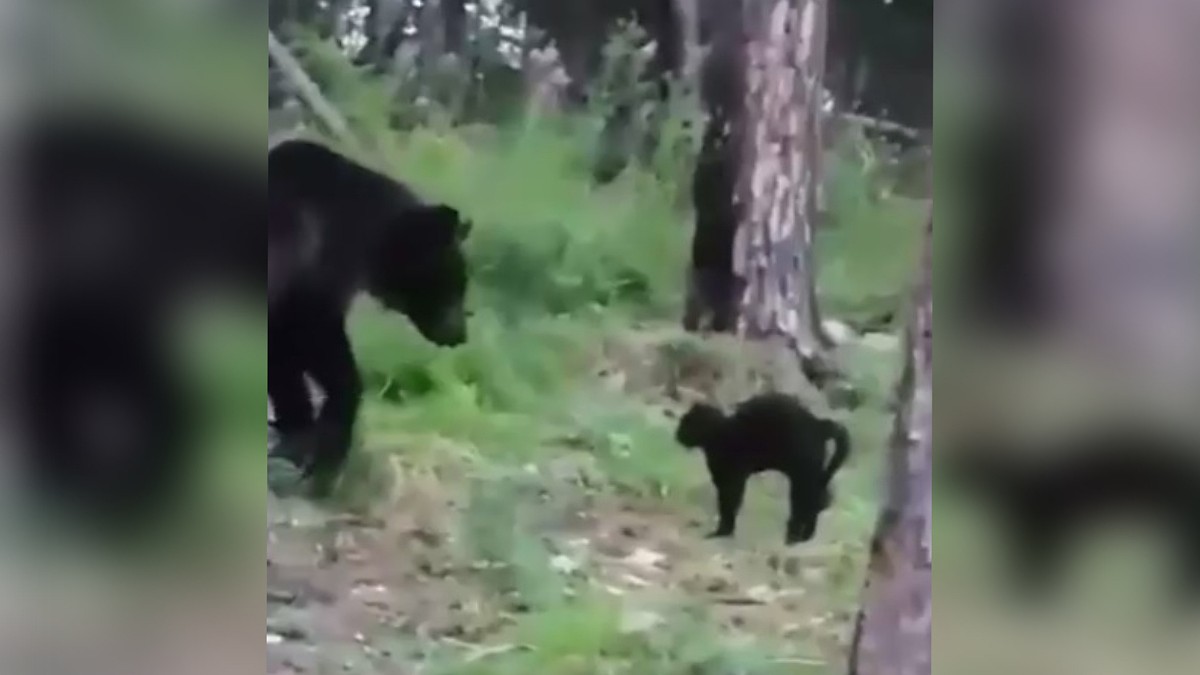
(759,167)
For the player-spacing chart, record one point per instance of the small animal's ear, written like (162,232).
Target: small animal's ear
(464,229)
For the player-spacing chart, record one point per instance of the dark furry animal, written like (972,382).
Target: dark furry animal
(713,288)
(1105,472)
(335,228)
(770,432)
(117,222)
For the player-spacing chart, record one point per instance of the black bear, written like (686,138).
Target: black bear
(769,432)
(714,289)
(336,227)
(1045,497)
(116,222)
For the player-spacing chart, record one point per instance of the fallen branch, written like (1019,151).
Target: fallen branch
(877,124)
(307,89)
(480,652)
(739,602)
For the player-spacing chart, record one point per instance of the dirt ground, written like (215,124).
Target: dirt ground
(364,595)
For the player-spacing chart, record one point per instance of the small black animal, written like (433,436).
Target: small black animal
(1106,471)
(713,288)
(768,432)
(335,228)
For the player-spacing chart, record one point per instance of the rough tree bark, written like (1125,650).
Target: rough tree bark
(778,178)
(893,633)
(762,91)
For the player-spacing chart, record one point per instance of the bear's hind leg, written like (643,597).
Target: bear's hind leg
(332,366)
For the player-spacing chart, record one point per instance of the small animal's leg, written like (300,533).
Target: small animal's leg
(723,296)
(730,491)
(332,366)
(805,502)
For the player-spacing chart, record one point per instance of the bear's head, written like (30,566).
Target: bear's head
(420,270)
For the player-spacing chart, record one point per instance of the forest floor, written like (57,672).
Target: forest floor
(388,596)
(551,566)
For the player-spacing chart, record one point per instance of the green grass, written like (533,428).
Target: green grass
(866,260)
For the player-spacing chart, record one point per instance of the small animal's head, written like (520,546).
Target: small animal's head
(421,271)
(699,425)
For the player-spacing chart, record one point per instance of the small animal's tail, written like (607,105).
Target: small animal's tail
(841,449)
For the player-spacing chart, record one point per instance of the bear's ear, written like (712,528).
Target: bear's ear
(447,218)
(432,225)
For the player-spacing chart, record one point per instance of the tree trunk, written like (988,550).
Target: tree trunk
(756,180)
(431,31)
(454,14)
(688,13)
(778,177)
(894,629)
(385,31)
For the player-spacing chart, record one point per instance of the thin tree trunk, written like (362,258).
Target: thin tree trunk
(893,633)
(385,31)
(455,18)
(688,14)
(778,180)
(431,32)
